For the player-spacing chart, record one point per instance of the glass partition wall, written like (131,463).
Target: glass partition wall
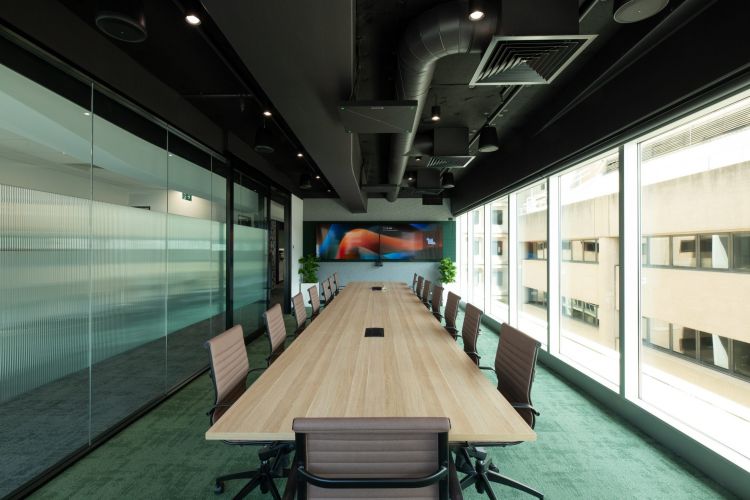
(113,264)
(690,314)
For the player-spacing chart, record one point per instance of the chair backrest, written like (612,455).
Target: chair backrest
(515,364)
(420,282)
(451,309)
(336,280)
(426,290)
(274,319)
(314,298)
(414,281)
(437,298)
(229,368)
(371,449)
(332,284)
(327,294)
(470,331)
(300,313)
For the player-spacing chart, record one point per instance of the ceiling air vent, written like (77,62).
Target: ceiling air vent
(528,60)
(449,161)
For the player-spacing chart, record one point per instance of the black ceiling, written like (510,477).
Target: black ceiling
(197,63)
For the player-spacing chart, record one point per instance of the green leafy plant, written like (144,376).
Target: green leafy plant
(309,268)
(447,270)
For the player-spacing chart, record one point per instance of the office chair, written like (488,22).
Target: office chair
(372,457)
(275,331)
(470,331)
(327,295)
(437,301)
(420,282)
(414,283)
(300,313)
(332,284)
(314,301)
(515,364)
(451,311)
(426,293)
(338,283)
(229,371)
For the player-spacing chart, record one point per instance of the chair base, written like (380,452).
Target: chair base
(484,473)
(271,462)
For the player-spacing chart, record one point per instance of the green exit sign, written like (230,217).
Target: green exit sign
(187,197)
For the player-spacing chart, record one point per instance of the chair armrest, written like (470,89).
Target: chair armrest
(487,368)
(211,411)
(525,406)
(452,329)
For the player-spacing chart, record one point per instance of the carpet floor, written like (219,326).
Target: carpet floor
(582,451)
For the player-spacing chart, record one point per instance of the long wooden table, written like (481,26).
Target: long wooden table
(333,370)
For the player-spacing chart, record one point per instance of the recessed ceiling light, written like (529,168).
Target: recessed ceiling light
(267,113)
(317,177)
(86,113)
(476,13)
(193,20)
(300,155)
(419,158)
(328,191)
(410,178)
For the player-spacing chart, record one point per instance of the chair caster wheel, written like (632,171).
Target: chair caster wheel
(263,488)
(219,487)
(494,468)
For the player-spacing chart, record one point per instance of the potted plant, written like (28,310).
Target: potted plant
(447,271)
(308,271)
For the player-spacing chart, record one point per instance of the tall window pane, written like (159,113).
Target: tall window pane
(477,257)
(498,306)
(589,229)
(694,184)
(531,211)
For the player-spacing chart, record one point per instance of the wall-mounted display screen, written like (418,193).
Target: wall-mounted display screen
(400,241)
(406,241)
(344,241)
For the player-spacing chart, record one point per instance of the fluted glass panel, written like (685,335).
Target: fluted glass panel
(250,258)
(45,191)
(129,282)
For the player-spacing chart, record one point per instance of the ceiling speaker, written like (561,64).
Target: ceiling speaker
(632,11)
(123,20)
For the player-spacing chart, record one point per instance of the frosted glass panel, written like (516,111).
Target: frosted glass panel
(129,281)
(250,259)
(45,190)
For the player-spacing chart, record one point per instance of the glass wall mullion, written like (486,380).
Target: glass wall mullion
(630,256)
(553,264)
(512,261)
(487,258)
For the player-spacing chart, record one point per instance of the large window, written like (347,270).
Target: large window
(531,210)
(589,254)
(695,289)
(688,221)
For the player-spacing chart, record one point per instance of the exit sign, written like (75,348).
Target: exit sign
(187,197)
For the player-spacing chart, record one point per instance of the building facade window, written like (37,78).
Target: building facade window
(531,223)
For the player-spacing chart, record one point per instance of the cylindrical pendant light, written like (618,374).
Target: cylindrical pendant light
(488,142)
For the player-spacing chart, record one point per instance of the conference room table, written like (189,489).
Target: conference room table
(332,370)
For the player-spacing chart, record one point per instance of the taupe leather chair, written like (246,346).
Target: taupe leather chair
(470,331)
(314,301)
(515,366)
(451,311)
(275,332)
(327,294)
(426,293)
(437,301)
(420,282)
(372,458)
(334,287)
(337,282)
(229,371)
(414,283)
(300,313)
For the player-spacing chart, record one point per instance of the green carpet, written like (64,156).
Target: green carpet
(582,451)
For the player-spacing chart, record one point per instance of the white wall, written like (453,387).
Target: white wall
(378,210)
(295,253)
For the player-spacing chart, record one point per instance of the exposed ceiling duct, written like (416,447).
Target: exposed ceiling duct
(446,30)
(439,32)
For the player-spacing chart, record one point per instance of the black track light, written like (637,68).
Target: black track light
(305,182)
(263,140)
(632,11)
(435,116)
(488,142)
(448,181)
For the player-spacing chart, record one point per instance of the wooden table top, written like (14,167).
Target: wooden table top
(333,370)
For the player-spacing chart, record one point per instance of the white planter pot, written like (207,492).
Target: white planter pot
(304,287)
